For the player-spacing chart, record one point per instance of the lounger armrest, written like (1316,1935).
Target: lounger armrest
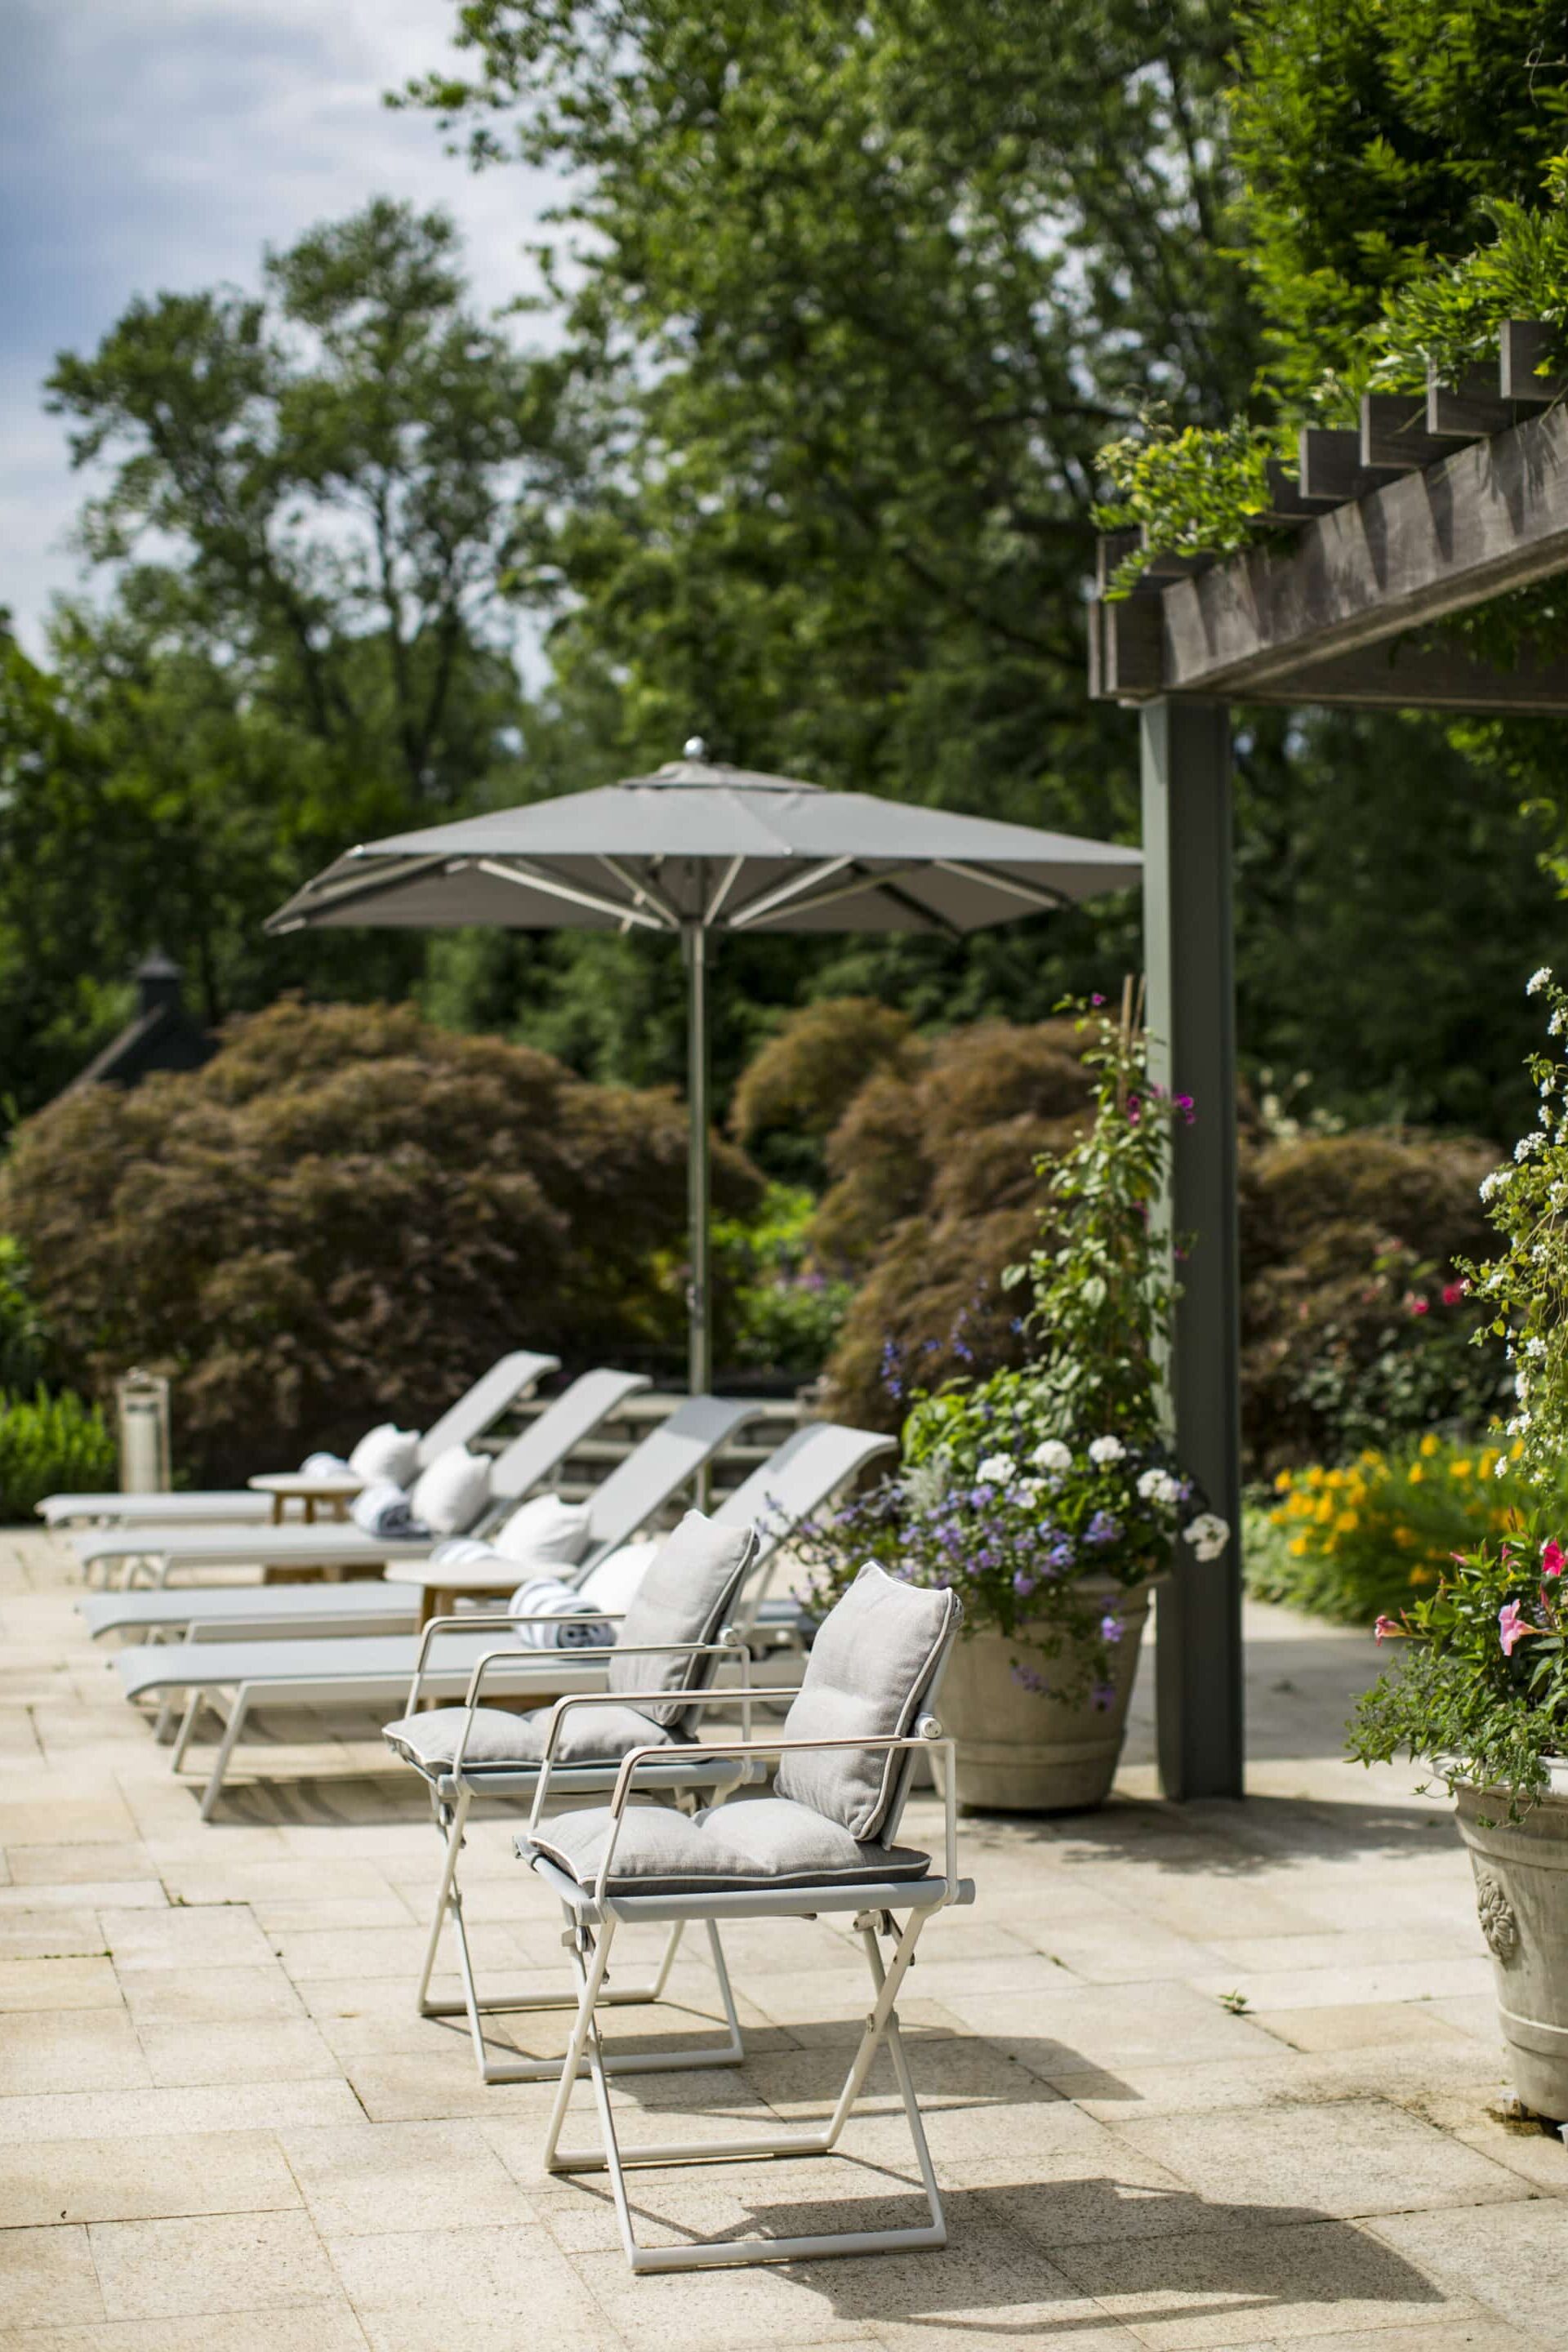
(728,1645)
(928,1734)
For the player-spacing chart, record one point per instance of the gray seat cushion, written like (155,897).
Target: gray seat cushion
(687,1594)
(589,1735)
(871,1671)
(762,1842)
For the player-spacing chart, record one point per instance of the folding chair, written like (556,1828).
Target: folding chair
(475,1751)
(676,1633)
(824,1842)
(508,1379)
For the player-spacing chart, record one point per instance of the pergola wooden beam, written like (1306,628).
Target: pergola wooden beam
(1492,517)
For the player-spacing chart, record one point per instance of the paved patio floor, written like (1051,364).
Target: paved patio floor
(1224,2074)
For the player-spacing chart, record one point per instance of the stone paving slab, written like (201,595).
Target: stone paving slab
(1224,2074)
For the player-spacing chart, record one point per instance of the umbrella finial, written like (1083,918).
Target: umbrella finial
(694,748)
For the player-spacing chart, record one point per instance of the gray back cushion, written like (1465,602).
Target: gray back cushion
(872,1669)
(687,1595)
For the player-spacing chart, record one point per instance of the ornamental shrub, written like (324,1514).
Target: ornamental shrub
(343,1218)
(1357,1542)
(51,1445)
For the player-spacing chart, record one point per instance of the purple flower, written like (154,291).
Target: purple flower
(1029,1678)
(1110,1627)
(1104,1694)
(1022,1585)
(1102,1529)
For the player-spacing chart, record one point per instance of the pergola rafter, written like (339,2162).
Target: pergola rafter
(1435,507)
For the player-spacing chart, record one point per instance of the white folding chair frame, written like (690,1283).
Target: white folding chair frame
(450,1814)
(592,1917)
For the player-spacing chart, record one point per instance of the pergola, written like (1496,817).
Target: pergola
(1435,506)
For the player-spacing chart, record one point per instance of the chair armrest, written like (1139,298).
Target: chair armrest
(476,1620)
(728,1645)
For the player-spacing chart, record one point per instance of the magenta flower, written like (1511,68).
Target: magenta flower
(1453,1292)
(1554,1559)
(1511,1628)
(1385,1626)
(1415,1305)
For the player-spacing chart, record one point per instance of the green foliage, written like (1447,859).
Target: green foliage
(796,1090)
(50,1446)
(1039,1491)
(784,1311)
(346,1214)
(23,1340)
(1353,1543)
(1190,491)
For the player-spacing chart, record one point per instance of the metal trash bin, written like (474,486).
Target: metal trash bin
(141,1411)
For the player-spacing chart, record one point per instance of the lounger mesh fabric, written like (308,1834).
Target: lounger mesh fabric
(870,1674)
(761,1843)
(587,1736)
(684,1598)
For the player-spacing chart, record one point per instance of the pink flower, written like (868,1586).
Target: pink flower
(1453,1292)
(1415,1305)
(1385,1626)
(1511,1628)
(1554,1559)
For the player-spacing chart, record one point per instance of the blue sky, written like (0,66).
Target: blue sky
(153,144)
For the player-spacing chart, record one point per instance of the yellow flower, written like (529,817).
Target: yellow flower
(1324,1511)
(1404,1538)
(1423,1575)
(1298,1546)
(1314,1476)
(1516,1451)
(1429,1445)
(1417,1474)
(1283,1484)
(1346,1523)
(1460,1469)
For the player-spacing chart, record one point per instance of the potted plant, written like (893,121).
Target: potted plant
(1480,1692)
(1045,1495)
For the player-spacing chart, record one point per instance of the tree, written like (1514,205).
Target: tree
(316,498)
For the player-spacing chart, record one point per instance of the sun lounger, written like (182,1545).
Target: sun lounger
(168,1611)
(512,1377)
(823,1843)
(374,1671)
(474,1751)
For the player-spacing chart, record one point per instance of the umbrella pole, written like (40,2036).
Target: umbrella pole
(694,939)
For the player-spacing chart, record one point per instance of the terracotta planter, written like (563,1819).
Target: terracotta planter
(1023,1751)
(1522,1896)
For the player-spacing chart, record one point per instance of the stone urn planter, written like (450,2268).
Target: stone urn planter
(1521,1896)
(1024,1752)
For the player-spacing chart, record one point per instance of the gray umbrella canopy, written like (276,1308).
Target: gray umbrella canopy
(698,848)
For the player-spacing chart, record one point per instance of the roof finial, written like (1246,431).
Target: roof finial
(694,748)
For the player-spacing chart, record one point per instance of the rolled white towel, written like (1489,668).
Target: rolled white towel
(384,1511)
(546,1596)
(325,1465)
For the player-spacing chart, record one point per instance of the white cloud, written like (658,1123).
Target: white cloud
(160,144)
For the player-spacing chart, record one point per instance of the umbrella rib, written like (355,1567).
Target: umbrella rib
(756,908)
(526,875)
(731,876)
(358,886)
(640,889)
(1037,894)
(858,886)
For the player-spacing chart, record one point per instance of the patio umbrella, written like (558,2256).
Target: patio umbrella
(697,849)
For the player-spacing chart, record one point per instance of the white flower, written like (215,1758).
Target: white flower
(1104,1450)
(1208,1535)
(1495,1181)
(1500,1466)
(1536,1347)
(1522,1383)
(1159,1486)
(1538,981)
(1029,1492)
(996,1470)
(1528,1144)
(1052,1455)
(1548,1082)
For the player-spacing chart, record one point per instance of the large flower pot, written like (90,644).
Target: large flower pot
(1522,1896)
(1025,1751)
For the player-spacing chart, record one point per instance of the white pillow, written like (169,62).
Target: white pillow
(387,1452)
(448,1496)
(546,1530)
(617,1580)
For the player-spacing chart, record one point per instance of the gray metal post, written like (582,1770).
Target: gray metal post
(694,942)
(1188,954)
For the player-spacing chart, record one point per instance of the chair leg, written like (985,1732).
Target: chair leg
(475,2006)
(188,1722)
(237,1716)
(881,2025)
